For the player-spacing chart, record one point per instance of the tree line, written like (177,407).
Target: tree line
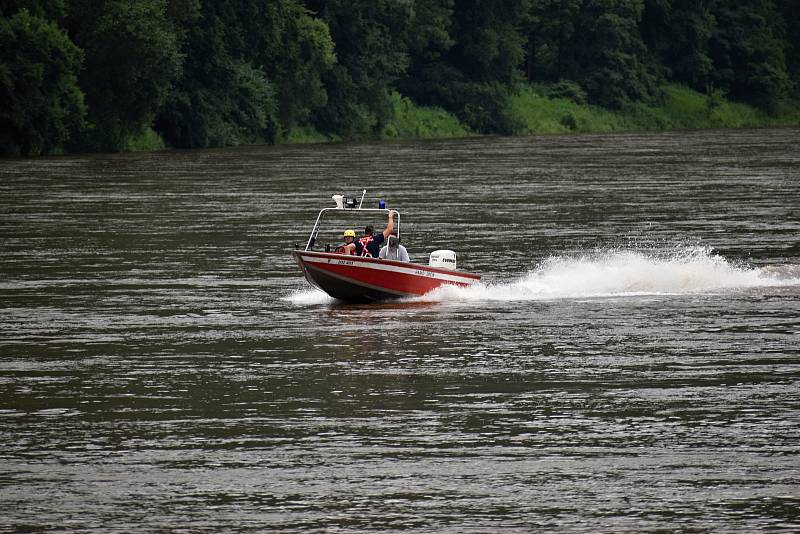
(88,75)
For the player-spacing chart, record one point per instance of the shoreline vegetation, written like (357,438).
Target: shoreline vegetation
(84,76)
(537,113)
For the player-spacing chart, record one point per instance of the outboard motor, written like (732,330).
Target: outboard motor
(443,259)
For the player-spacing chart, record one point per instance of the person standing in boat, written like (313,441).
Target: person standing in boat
(370,245)
(394,250)
(371,242)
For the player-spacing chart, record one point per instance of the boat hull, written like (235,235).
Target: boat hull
(357,279)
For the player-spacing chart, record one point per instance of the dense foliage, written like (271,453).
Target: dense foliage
(97,74)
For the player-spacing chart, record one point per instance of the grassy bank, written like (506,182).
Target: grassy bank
(306,134)
(536,111)
(682,108)
(409,121)
(417,122)
(147,140)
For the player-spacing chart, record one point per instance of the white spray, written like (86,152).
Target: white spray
(612,273)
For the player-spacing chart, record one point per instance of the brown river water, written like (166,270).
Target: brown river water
(629,362)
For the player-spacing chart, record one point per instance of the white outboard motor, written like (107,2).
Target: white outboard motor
(443,259)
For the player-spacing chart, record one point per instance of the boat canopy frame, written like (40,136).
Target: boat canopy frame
(313,237)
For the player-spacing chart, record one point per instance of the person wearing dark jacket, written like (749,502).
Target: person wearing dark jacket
(370,245)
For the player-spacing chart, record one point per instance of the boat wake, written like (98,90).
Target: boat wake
(625,273)
(609,273)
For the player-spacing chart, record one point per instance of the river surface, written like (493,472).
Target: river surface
(629,362)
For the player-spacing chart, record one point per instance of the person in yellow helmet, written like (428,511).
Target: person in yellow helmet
(348,247)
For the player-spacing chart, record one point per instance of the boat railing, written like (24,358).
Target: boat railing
(315,231)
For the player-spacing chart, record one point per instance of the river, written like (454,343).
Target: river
(630,360)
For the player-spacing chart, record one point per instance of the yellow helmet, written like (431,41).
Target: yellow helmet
(349,233)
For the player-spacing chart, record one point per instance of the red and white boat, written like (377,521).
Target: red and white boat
(364,279)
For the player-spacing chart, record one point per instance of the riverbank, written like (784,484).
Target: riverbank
(546,110)
(536,110)
(681,108)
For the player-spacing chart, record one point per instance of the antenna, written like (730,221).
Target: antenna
(362,198)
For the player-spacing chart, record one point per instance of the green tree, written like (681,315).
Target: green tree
(489,51)
(678,32)
(790,9)
(51,10)
(607,56)
(132,59)
(431,36)
(748,51)
(42,104)
(466,58)
(237,107)
(371,39)
(308,55)
(550,28)
(595,43)
(252,70)
(221,98)
(292,48)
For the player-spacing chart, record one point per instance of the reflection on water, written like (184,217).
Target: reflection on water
(628,362)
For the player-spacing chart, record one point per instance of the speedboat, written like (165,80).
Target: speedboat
(366,279)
